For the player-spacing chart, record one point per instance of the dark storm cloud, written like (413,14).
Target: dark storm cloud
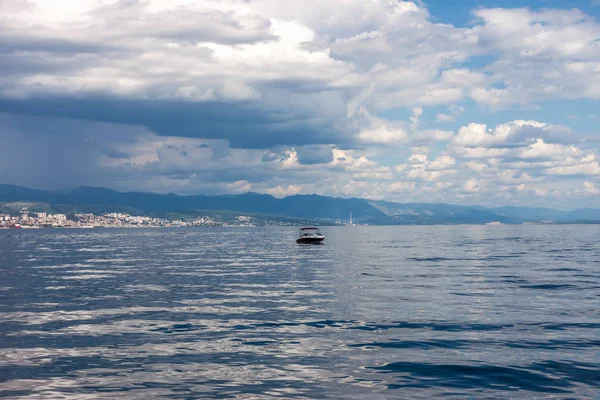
(243,124)
(314,154)
(104,69)
(50,153)
(11,41)
(114,154)
(272,156)
(46,152)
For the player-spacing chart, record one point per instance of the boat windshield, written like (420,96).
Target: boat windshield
(310,232)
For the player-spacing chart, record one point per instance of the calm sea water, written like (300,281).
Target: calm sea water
(245,313)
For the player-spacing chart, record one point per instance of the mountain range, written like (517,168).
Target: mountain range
(312,207)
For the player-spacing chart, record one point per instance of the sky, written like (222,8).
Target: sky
(489,102)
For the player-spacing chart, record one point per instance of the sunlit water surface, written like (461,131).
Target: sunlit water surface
(375,312)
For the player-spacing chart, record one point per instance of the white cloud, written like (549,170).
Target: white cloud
(444,117)
(281,94)
(441,163)
(419,168)
(471,186)
(477,167)
(383,135)
(432,135)
(416,114)
(394,47)
(475,135)
(543,54)
(592,168)
(513,177)
(280,192)
(590,188)
(417,159)
(541,150)
(478,152)
(478,135)
(399,187)
(454,111)
(556,34)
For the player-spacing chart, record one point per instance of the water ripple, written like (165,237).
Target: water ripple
(244,313)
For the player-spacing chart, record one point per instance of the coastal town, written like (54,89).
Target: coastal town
(36,220)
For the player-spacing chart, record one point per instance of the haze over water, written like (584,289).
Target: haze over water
(383,312)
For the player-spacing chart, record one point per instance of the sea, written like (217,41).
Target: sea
(406,312)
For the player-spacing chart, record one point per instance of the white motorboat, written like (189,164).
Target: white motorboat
(310,235)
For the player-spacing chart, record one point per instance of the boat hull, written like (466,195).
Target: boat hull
(310,240)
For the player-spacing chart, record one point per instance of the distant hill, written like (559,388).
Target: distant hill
(302,206)
(432,213)
(306,207)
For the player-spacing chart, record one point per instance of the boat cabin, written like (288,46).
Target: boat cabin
(310,235)
(309,232)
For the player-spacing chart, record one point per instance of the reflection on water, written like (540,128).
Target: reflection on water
(388,312)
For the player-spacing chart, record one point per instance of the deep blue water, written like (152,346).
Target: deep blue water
(245,313)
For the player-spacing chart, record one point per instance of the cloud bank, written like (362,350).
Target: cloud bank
(348,98)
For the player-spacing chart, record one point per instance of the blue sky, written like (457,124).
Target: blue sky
(459,12)
(470,102)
